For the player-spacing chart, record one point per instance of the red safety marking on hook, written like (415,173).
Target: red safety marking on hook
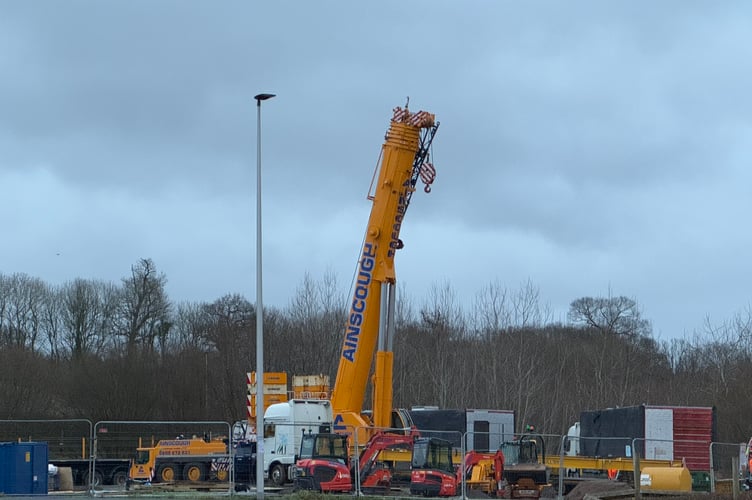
(427,175)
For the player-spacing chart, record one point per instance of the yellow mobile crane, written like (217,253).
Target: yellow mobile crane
(370,324)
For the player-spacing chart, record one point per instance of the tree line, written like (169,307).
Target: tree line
(107,351)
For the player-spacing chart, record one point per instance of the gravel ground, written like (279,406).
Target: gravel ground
(606,486)
(595,486)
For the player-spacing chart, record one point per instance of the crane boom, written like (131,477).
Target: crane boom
(370,323)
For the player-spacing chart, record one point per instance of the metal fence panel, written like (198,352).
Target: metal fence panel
(68,443)
(165,456)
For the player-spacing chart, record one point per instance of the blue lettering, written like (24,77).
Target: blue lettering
(400,213)
(395,232)
(356,319)
(358,306)
(369,250)
(359,303)
(351,337)
(339,423)
(366,267)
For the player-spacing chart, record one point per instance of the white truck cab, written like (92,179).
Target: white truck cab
(572,443)
(284,425)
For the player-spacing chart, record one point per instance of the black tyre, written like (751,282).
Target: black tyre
(97,480)
(194,472)
(166,473)
(278,475)
(223,475)
(120,477)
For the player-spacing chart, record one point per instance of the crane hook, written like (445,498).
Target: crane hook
(427,175)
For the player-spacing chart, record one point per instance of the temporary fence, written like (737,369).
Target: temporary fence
(67,447)
(169,455)
(729,464)
(97,458)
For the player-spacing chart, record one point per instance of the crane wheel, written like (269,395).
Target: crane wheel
(166,473)
(194,472)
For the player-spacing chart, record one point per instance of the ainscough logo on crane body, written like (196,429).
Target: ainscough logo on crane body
(359,303)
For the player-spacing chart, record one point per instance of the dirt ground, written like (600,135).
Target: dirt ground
(597,486)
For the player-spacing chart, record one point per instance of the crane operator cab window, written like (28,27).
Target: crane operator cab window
(142,457)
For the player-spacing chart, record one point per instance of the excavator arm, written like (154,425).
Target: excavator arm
(369,456)
(483,471)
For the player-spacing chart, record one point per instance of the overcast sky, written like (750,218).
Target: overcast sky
(583,146)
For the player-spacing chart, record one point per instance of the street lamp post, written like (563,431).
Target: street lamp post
(259,314)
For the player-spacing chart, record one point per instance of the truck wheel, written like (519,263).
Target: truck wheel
(96,480)
(223,475)
(194,472)
(120,477)
(166,473)
(278,475)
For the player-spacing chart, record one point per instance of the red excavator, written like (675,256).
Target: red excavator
(324,465)
(434,474)
(376,475)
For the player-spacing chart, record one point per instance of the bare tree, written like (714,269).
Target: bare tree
(119,387)
(191,324)
(21,305)
(229,323)
(527,308)
(144,308)
(491,309)
(406,382)
(29,387)
(723,346)
(442,324)
(231,336)
(52,324)
(404,313)
(611,315)
(193,365)
(312,337)
(495,308)
(87,310)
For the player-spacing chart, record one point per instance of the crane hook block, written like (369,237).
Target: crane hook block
(427,175)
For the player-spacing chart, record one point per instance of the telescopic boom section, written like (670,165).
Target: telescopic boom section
(404,158)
